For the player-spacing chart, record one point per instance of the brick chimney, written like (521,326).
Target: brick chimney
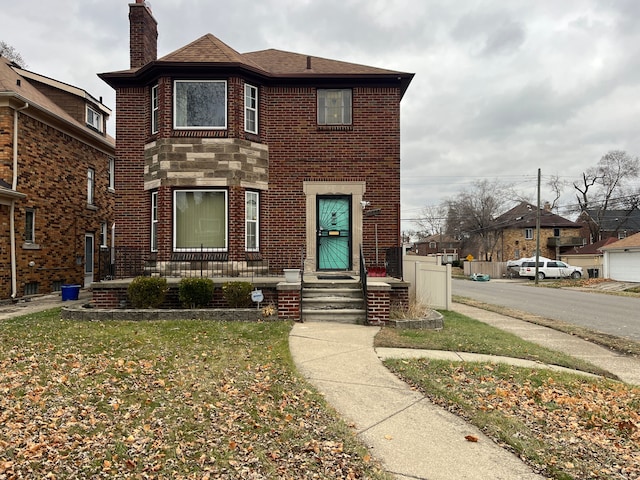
(143,34)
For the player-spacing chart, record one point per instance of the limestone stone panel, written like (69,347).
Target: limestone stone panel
(206,162)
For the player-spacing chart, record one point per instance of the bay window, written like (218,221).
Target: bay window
(200,104)
(200,220)
(251,212)
(250,109)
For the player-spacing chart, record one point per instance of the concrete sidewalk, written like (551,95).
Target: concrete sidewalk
(414,438)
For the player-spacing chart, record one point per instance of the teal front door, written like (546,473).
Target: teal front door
(334,232)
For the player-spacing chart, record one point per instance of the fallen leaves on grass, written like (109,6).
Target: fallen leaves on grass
(567,425)
(142,401)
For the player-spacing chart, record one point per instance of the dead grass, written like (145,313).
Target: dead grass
(169,399)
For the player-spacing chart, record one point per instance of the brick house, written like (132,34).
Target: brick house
(439,244)
(600,224)
(516,233)
(263,155)
(56,183)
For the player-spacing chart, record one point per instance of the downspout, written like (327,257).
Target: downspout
(14,186)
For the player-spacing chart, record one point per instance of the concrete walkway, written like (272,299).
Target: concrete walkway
(414,438)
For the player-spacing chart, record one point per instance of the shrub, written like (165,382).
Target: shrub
(237,294)
(147,292)
(195,292)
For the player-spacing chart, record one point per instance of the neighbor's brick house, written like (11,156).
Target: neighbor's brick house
(56,183)
(268,154)
(516,233)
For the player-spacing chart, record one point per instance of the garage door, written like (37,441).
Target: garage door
(624,266)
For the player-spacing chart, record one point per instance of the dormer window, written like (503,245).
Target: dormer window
(200,104)
(94,119)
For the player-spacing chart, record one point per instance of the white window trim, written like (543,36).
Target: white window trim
(247,107)
(154,221)
(226,113)
(103,234)
(91,186)
(112,174)
(154,109)
(248,220)
(528,233)
(94,118)
(175,221)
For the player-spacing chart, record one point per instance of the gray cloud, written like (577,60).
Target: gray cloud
(501,88)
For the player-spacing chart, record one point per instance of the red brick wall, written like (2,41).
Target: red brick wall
(53,174)
(133,203)
(299,150)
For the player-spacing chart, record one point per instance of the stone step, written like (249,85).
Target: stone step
(331,292)
(332,302)
(343,315)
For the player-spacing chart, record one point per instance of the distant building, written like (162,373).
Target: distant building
(516,233)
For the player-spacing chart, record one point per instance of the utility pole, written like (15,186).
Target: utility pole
(538,231)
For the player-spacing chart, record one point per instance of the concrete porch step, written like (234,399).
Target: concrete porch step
(337,315)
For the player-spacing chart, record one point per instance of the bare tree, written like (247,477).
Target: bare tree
(432,220)
(471,213)
(557,186)
(7,51)
(603,186)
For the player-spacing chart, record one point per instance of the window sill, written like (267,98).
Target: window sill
(31,246)
(335,128)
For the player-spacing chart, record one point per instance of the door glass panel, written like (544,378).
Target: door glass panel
(334,233)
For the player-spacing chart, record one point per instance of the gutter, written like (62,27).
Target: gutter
(14,186)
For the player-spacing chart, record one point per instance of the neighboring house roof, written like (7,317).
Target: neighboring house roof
(632,241)
(438,239)
(209,50)
(14,83)
(524,216)
(616,220)
(593,248)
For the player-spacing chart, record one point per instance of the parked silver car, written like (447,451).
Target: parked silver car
(549,269)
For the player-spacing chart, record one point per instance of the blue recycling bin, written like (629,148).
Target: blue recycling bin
(70,292)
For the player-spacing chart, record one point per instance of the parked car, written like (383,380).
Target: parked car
(513,266)
(549,269)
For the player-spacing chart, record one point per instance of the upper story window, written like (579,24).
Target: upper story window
(200,104)
(94,118)
(112,173)
(154,109)
(528,233)
(91,185)
(334,107)
(250,109)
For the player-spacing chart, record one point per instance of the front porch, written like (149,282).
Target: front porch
(287,298)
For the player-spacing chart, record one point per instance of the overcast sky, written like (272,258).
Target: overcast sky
(501,87)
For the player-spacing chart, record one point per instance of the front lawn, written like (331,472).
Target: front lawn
(167,399)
